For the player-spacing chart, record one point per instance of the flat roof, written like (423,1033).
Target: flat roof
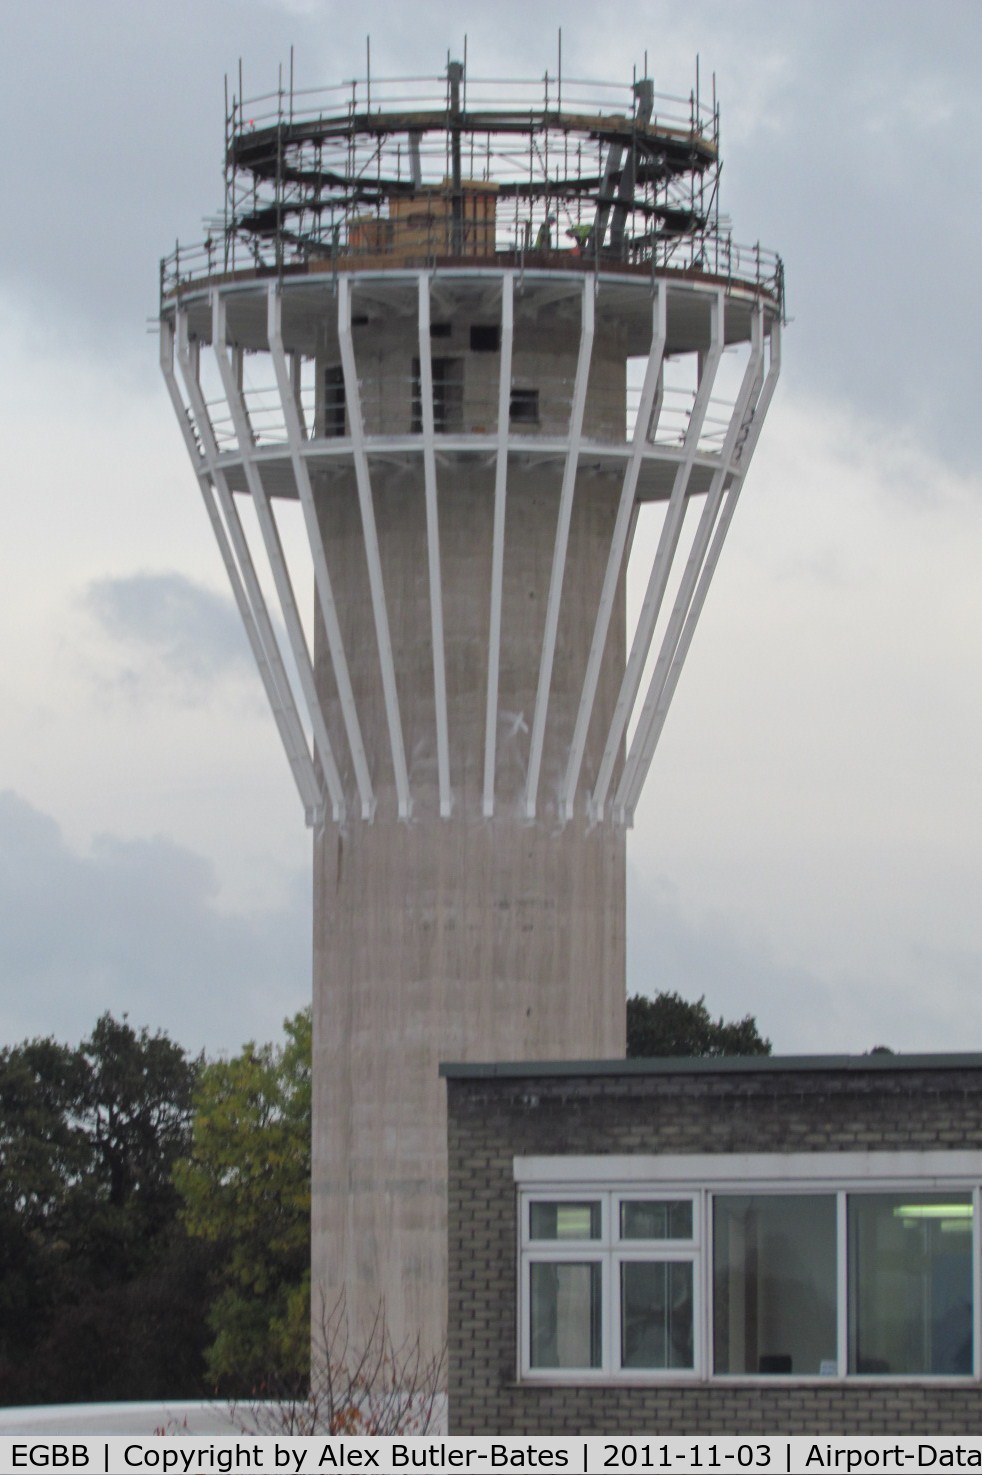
(676,1065)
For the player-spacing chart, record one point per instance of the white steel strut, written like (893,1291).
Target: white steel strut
(661,568)
(274,553)
(745,437)
(644,429)
(562,539)
(639,757)
(352,394)
(433,546)
(292,411)
(498,536)
(278,685)
(290,734)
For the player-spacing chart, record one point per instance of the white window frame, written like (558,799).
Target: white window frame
(671,1251)
(557,1251)
(700,1177)
(610,1252)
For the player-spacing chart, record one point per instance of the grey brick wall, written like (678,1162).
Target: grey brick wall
(493,1119)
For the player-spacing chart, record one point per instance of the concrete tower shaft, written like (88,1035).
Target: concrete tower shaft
(460,931)
(470,389)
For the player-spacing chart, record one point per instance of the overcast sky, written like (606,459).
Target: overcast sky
(809,847)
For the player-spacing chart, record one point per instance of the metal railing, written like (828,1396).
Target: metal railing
(716,255)
(610,414)
(519,96)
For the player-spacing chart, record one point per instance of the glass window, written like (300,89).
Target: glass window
(656,1314)
(564,1220)
(656,1219)
(565,1315)
(448,395)
(524,407)
(486,337)
(774,1283)
(832,1282)
(334,402)
(910,1283)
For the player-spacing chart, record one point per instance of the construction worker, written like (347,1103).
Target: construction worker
(543,240)
(579,234)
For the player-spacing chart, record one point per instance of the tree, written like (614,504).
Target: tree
(44,1148)
(246,1191)
(670,1025)
(137,1111)
(42,1153)
(100,1289)
(134,1110)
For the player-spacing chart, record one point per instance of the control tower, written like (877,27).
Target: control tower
(467,332)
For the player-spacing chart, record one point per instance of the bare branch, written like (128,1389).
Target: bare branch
(375,1388)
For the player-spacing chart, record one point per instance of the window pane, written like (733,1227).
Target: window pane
(774,1283)
(448,395)
(656,1314)
(334,403)
(564,1221)
(910,1283)
(565,1315)
(524,407)
(664,1219)
(486,337)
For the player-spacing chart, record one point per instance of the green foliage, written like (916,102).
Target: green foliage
(670,1025)
(43,1148)
(246,1191)
(151,1204)
(100,1289)
(136,1110)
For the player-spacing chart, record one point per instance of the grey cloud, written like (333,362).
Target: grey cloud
(852,173)
(122,106)
(134,926)
(925,999)
(850,143)
(952,977)
(194,633)
(712,955)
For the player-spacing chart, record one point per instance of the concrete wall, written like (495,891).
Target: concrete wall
(493,1120)
(464,937)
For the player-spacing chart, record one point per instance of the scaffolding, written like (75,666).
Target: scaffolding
(427,171)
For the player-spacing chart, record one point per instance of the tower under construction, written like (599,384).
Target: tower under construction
(491,342)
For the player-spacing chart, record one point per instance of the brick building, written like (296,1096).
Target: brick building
(699,1246)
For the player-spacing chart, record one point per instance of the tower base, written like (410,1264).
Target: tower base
(440,941)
